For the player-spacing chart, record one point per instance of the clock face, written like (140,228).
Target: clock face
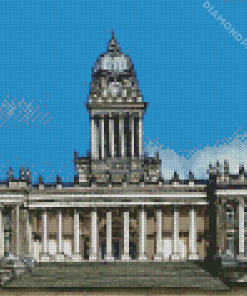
(116,64)
(115,88)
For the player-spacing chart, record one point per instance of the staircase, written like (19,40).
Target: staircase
(117,274)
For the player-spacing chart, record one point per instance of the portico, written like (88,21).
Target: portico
(126,221)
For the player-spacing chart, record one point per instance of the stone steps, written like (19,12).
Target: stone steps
(117,274)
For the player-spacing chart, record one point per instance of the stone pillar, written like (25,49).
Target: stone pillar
(60,252)
(143,234)
(132,123)
(141,131)
(102,129)
(29,236)
(109,256)
(126,256)
(193,254)
(241,256)
(45,254)
(121,135)
(1,232)
(111,135)
(94,236)
(17,225)
(175,251)
(94,138)
(158,256)
(76,257)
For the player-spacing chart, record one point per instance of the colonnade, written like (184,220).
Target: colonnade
(99,132)
(94,231)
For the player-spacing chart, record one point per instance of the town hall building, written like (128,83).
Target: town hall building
(120,216)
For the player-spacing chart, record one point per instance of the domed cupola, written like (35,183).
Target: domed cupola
(113,77)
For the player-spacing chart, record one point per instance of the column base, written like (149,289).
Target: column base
(143,258)
(193,256)
(109,258)
(76,258)
(44,257)
(126,257)
(158,257)
(59,257)
(175,257)
(93,258)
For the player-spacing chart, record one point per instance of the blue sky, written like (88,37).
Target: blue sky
(190,70)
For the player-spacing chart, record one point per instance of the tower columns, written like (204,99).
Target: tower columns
(132,126)
(102,139)
(94,138)
(121,136)
(140,136)
(111,135)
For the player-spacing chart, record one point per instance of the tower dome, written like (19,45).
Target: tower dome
(113,60)
(114,77)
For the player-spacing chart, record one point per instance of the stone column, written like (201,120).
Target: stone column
(175,251)
(76,257)
(109,256)
(97,136)
(111,135)
(132,123)
(193,254)
(17,225)
(45,254)
(1,232)
(241,256)
(158,256)
(102,129)
(141,131)
(94,138)
(94,236)
(121,135)
(126,256)
(60,252)
(143,234)
(29,236)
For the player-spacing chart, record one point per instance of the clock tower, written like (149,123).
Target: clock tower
(116,106)
(116,111)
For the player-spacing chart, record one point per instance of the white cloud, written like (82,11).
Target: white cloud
(232,150)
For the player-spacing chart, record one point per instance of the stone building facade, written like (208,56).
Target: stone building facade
(119,208)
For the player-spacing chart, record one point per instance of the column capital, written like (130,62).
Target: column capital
(142,207)
(125,209)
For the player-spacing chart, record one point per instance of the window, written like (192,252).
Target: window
(229,219)
(230,245)
(245,219)
(245,247)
